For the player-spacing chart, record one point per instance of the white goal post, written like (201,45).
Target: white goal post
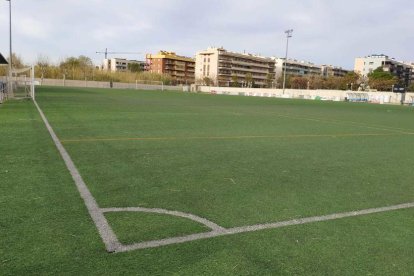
(146,84)
(23,83)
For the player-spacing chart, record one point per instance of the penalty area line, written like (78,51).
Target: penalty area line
(67,141)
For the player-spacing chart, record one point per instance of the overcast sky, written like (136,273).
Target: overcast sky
(325,31)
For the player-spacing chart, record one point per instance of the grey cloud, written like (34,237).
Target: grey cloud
(333,32)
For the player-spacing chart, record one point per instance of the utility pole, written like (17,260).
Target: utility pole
(288,35)
(10,92)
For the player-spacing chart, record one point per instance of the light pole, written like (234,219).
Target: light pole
(10,57)
(288,35)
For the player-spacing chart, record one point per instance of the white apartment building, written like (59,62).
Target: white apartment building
(223,67)
(120,64)
(296,68)
(366,65)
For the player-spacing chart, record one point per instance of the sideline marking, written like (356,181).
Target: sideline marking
(105,231)
(374,126)
(318,119)
(66,141)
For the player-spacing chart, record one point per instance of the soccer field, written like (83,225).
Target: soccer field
(215,184)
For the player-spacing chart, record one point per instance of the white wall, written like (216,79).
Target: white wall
(334,95)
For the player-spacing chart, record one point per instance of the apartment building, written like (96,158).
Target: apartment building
(224,68)
(180,68)
(333,71)
(296,68)
(411,64)
(366,65)
(121,64)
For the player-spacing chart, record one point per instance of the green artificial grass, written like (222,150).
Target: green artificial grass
(233,182)
(234,176)
(132,227)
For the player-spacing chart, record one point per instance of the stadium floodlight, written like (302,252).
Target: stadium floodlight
(288,35)
(10,57)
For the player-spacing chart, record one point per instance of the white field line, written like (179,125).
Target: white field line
(257,227)
(378,127)
(108,236)
(333,135)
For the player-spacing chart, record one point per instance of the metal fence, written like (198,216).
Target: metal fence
(2,91)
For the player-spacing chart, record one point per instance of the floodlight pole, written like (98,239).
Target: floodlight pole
(288,35)
(11,51)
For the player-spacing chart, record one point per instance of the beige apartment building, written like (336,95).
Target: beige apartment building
(225,68)
(333,71)
(180,68)
(296,68)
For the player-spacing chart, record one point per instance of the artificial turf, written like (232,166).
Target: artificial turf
(210,166)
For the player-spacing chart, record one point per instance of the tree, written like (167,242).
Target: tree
(235,80)
(316,82)
(249,80)
(70,64)
(299,82)
(78,66)
(381,80)
(85,65)
(134,67)
(17,64)
(207,81)
(380,74)
(269,80)
(287,81)
(42,65)
(351,81)
(17,61)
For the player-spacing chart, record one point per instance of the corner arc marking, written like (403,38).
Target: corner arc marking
(213,226)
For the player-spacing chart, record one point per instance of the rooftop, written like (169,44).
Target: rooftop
(3,60)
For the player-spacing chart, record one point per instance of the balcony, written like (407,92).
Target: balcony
(252,63)
(224,65)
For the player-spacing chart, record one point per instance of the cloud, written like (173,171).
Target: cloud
(333,32)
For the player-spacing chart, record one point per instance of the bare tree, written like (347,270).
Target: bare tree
(42,65)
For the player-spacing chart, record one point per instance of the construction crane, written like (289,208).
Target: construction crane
(117,53)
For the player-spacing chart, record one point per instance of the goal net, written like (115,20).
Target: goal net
(22,83)
(149,85)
